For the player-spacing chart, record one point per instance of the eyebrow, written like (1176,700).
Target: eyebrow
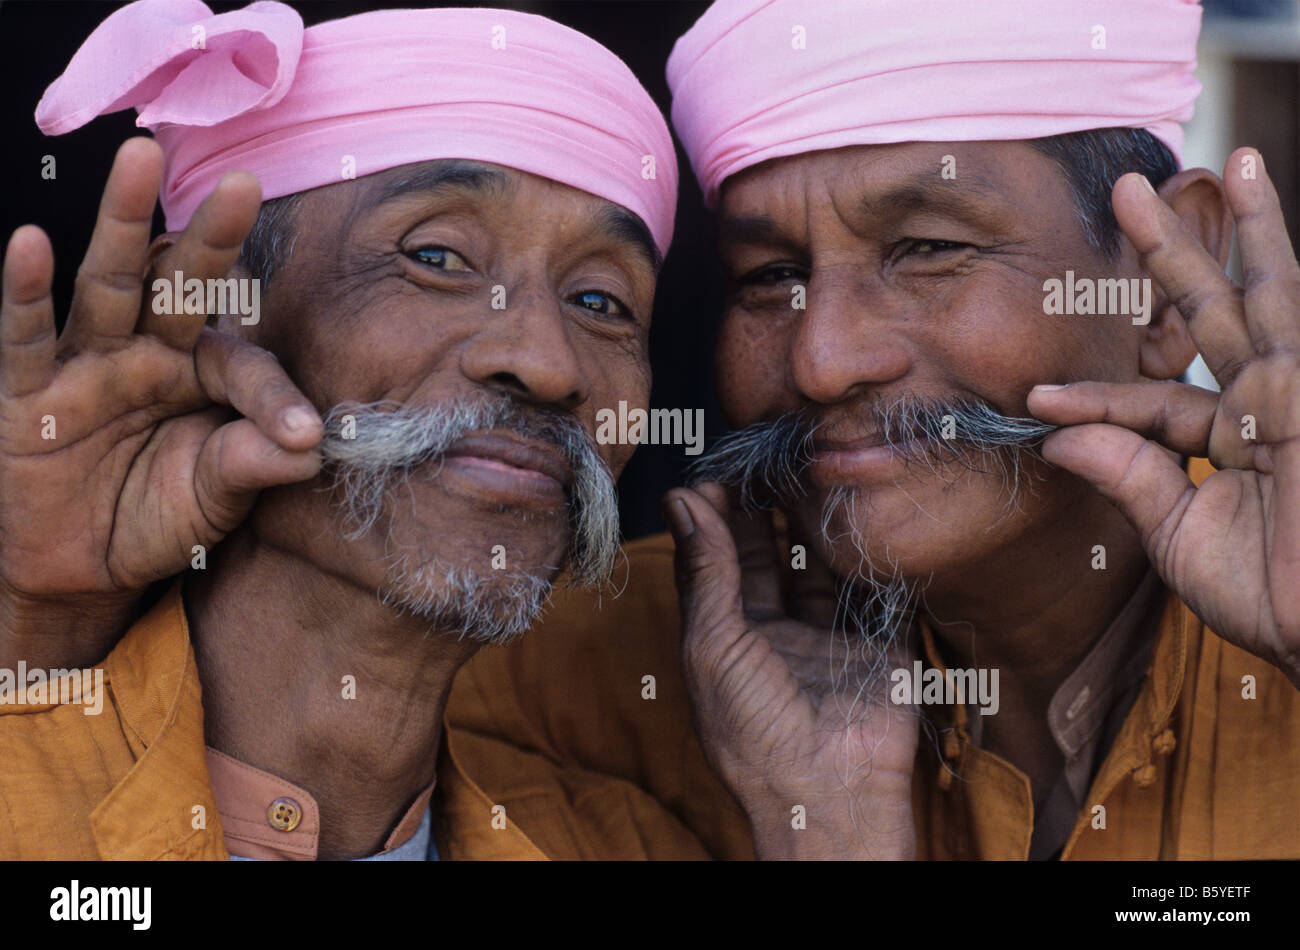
(920,192)
(750,229)
(446,175)
(623,225)
(439,177)
(924,191)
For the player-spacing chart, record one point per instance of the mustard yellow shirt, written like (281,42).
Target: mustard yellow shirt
(133,782)
(1196,771)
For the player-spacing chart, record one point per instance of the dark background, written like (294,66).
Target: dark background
(38,38)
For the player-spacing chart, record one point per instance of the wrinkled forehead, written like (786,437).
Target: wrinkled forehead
(935,169)
(881,180)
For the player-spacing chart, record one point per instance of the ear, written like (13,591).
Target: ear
(159,246)
(231,323)
(1198,198)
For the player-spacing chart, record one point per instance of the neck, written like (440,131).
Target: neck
(275,635)
(1033,611)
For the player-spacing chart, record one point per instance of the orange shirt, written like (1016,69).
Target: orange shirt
(133,782)
(1197,770)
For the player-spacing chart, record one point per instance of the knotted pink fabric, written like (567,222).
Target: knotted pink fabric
(253,90)
(754,80)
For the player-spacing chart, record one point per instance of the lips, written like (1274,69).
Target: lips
(533,456)
(836,462)
(849,445)
(507,468)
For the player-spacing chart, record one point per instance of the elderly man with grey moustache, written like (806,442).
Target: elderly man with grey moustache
(271,705)
(1008,609)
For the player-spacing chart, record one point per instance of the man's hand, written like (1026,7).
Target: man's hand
(1230,548)
(118,453)
(788,713)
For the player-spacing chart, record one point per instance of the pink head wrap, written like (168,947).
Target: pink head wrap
(759,79)
(293,106)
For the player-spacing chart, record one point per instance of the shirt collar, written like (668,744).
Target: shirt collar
(154,686)
(1086,697)
(265,817)
(993,796)
(1115,663)
(165,806)
(1106,674)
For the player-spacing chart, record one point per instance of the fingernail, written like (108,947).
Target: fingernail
(679,519)
(1146,181)
(297,419)
(1049,387)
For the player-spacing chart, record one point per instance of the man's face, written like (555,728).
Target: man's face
(917,286)
(459,283)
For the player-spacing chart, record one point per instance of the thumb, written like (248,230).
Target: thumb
(1139,477)
(236,462)
(708,572)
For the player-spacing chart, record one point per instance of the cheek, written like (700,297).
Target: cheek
(382,344)
(1001,345)
(750,368)
(624,376)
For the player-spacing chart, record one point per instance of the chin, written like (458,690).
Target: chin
(483,582)
(915,530)
(476,603)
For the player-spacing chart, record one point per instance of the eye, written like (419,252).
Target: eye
(601,303)
(440,258)
(928,247)
(773,274)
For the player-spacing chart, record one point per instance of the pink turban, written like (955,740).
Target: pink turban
(759,79)
(253,90)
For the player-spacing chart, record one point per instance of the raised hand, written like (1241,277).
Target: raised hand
(146,459)
(787,713)
(1230,548)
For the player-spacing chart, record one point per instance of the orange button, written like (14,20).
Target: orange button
(284,814)
(945,777)
(1145,776)
(951,744)
(1164,743)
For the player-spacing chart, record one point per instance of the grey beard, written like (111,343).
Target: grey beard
(875,604)
(389,442)
(458,600)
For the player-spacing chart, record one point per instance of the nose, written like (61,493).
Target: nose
(846,340)
(526,349)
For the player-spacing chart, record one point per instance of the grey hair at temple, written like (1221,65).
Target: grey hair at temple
(270,243)
(1092,161)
